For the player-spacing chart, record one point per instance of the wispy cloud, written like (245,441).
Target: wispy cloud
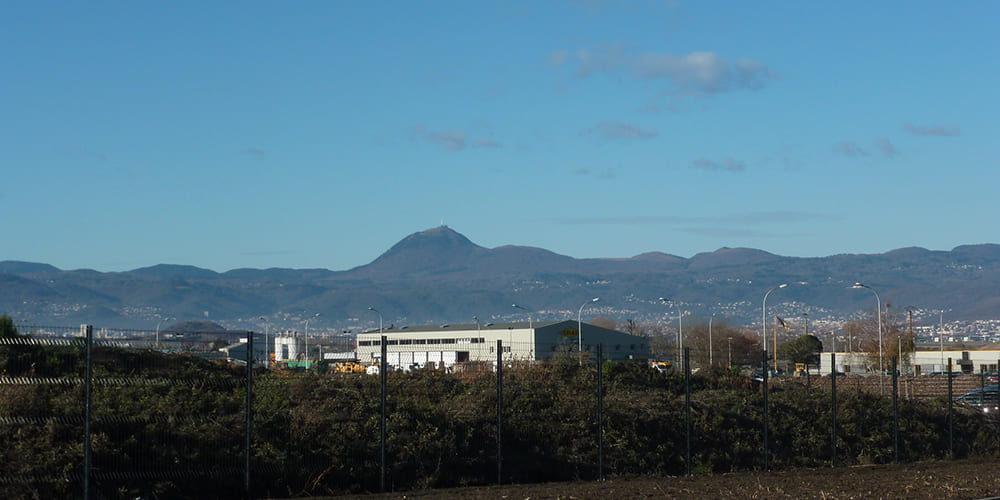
(936,130)
(82,153)
(849,148)
(696,73)
(269,252)
(728,232)
(558,58)
(748,219)
(452,140)
(616,130)
(886,147)
(727,164)
(487,143)
(260,154)
(608,174)
(881,145)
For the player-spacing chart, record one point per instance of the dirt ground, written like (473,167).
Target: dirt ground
(958,479)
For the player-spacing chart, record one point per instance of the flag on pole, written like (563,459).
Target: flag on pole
(781,322)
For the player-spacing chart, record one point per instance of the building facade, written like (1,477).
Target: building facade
(447,345)
(917,363)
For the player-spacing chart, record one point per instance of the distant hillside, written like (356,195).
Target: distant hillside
(439,276)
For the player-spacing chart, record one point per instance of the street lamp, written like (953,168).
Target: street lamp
(941,337)
(515,306)
(763,318)
(579,322)
(710,339)
(878,303)
(370,308)
(267,347)
(307,334)
(158,330)
(730,353)
(680,327)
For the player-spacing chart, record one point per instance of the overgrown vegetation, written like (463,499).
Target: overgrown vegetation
(174,426)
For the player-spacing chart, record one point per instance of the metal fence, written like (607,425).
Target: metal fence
(128,413)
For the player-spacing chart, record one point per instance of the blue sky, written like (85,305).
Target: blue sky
(317,134)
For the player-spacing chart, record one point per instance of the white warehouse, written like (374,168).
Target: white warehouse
(450,344)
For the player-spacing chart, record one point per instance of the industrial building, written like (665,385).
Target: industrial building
(446,345)
(967,361)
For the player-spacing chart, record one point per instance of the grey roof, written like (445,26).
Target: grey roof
(464,326)
(522,325)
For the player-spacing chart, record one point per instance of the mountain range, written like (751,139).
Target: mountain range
(440,276)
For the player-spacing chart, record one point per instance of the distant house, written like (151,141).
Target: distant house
(450,344)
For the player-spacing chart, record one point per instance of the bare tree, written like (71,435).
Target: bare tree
(726,340)
(897,342)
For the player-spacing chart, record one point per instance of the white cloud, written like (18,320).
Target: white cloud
(558,58)
(694,73)
(616,130)
(452,140)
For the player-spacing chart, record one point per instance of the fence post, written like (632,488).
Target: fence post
(687,408)
(499,409)
(249,425)
(833,405)
(89,387)
(951,420)
(895,411)
(766,448)
(382,369)
(600,412)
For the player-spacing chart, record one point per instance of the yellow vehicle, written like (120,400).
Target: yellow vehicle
(350,367)
(800,369)
(662,366)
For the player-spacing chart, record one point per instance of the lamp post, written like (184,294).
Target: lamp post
(680,326)
(763,315)
(307,335)
(267,347)
(158,330)
(579,322)
(878,303)
(730,353)
(515,306)
(370,308)
(710,339)
(941,336)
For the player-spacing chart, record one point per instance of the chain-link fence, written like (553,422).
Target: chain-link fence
(129,413)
